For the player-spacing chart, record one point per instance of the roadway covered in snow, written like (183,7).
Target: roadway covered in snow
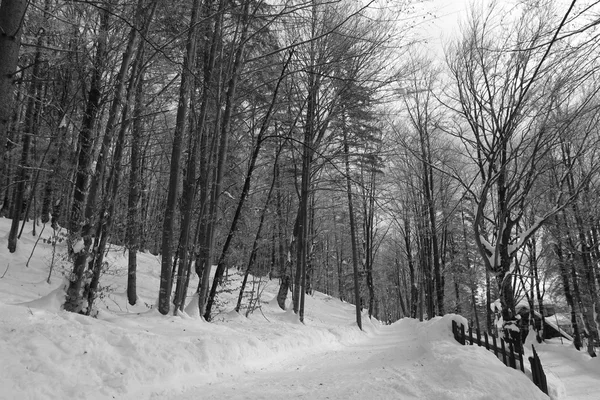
(407,360)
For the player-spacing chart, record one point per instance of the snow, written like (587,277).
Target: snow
(133,352)
(524,236)
(571,374)
(78,246)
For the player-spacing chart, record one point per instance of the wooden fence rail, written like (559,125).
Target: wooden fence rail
(537,372)
(505,351)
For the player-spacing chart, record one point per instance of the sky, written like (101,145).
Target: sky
(441,24)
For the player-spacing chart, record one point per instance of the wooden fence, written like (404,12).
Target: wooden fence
(537,372)
(505,351)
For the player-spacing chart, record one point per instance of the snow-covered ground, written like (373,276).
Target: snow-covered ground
(136,353)
(572,373)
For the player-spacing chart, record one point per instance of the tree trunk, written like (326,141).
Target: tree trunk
(257,237)
(12,14)
(35,88)
(431,226)
(414,289)
(536,283)
(584,254)
(190,185)
(213,185)
(133,200)
(185,92)
(369,237)
(558,250)
(259,140)
(135,173)
(398,288)
(488,302)
(284,274)
(81,241)
(339,253)
(352,229)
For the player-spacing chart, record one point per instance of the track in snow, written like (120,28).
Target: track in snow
(395,363)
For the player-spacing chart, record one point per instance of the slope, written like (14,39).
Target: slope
(136,353)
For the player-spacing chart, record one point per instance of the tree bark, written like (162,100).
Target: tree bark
(254,251)
(12,14)
(185,92)
(259,141)
(558,251)
(133,199)
(31,116)
(414,290)
(81,241)
(357,301)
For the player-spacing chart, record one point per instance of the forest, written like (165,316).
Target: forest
(319,143)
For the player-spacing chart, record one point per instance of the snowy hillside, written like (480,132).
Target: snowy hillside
(136,353)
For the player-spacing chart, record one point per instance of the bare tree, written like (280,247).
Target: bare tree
(507,86)
(12,14)
(185,91)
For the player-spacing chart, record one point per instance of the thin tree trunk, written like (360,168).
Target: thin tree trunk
(558,250)
(81,241)
(431,225)
(196,143)
(369,213)
(185,92)
(257,237)
(398,286)
(19,207)
(414,290)
(107,212)
(246,188)
(135,175)
(12,15)
(585,256)
(536,283)
(213,188)
(352,229)
(284,275)
(133,200)
(488,301)
(339,255)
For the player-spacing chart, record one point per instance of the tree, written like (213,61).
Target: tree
(12,14)
(425,119)
(507,85)
(80,241)
(185,89)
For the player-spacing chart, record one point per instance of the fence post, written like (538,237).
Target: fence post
(537,372)
(471,335)
(462,334)
(511,355)
(495,346)
(455,330)
(503,351)
(478,337)
(487,342)
(521,359)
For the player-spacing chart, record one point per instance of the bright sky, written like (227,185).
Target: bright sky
(443,22)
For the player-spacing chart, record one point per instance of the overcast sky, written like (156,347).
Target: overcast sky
(442,22)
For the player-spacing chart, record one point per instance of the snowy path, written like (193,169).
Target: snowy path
(573,373)
(358,371)
(392,364)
